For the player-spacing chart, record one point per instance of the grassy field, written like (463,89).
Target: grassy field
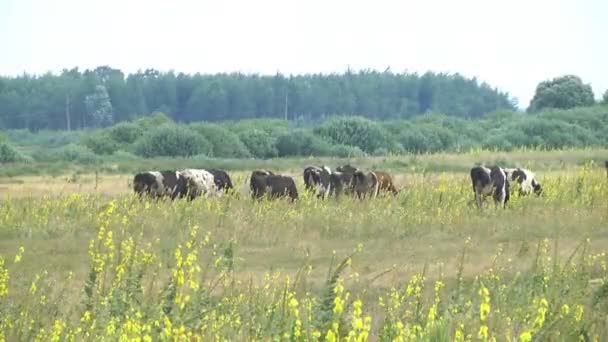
(83,259)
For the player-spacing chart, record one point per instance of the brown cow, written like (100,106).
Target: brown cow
(365,185)
(385,183)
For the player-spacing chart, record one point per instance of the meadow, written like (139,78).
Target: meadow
(82,258)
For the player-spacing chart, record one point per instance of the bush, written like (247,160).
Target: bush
(225,143)
(70,153)
(100,143)
(154,120)
(172,140)
(126,132)
(355,131)
(259,143)
(8,154)
(302,143)
(274,127)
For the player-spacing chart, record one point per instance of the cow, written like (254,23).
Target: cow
(490,181)
(346,168)
(385,183)
(341,180)
(265,183)
(365,184)
(158,184)
(197,182)
(222,180)
(317,180)
(526,179)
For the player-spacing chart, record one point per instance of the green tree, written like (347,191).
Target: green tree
(562,92)
(99,107)
(605,98)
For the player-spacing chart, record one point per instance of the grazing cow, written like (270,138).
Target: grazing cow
(341,181)
(221,179)
(526,179)
(264,183)
(492,181)
(346,169)
(317,180)
(157,184)
(197,182)
(385,182)
(365,185)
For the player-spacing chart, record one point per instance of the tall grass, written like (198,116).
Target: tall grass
(425,265)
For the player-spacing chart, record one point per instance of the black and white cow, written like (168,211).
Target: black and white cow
(197,182)
(490,181)
(265,183)
(158,184)
(526,179)
(317,180)
(221,179)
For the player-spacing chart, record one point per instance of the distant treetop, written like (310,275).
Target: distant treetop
(98,97)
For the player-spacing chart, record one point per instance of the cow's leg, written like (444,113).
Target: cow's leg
(478,199)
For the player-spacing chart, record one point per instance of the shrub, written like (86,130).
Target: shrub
(302,143)
(226,144)
(70,153)
(126,132)
(274,127)
(172,140)
(8,154)
(100,143)
(354,131)
(154,120)
(259,143)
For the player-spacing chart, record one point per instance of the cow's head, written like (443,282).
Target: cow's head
(538,190)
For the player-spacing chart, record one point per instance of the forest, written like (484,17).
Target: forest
(104,96)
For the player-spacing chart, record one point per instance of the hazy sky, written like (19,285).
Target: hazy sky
(510,44)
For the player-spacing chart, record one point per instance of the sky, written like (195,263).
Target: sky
(512,45)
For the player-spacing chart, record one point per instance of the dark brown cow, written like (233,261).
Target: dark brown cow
(221,179)
(385,183)
(341,181)
(265,183)
(365,184)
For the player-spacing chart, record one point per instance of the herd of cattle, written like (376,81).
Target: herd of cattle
(322,182)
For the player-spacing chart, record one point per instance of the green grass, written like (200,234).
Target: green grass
(535,159)
(256,258)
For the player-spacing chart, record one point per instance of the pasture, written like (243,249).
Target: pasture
(83,258)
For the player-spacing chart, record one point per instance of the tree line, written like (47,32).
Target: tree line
(75,99)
